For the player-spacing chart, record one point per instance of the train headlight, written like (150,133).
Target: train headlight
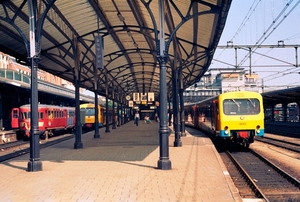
(226,130)
(258,129)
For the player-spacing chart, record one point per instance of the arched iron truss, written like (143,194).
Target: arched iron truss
(129,29)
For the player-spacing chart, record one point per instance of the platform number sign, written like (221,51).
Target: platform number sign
(99,51)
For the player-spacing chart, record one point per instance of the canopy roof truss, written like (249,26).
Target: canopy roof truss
(130,32)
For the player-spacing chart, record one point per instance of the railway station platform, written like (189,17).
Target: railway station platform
(121,166)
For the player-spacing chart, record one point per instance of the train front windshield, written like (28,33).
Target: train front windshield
(90,112)
(249,106)
(25,115)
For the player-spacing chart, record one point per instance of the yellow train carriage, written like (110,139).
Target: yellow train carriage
(236,116)
(90,115)
(241,116)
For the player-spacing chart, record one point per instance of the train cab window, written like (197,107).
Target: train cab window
(241,106)
(22,115)
(25,115)
(89,111)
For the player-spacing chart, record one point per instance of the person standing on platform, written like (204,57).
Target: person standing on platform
(137,118)
(156,117)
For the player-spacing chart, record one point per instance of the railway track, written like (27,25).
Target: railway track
(280,143)
(18,148)
(259,178)
(14,144)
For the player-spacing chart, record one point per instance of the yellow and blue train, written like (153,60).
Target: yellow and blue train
(235,116)
(90,113)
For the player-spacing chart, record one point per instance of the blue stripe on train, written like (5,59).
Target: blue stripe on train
(260,134)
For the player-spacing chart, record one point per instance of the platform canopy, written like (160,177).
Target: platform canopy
(130,30)
(286,96)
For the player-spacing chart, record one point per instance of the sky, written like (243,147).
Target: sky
(263,22)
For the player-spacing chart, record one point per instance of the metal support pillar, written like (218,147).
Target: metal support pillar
(181,90)
(122,117)
(170,114)
(97,134)
(106,104)
(78,133)
(34,163)
(177,141)
(118,109)
(106,115)
(113,107)
(164,162)
(118,114)
(113,115)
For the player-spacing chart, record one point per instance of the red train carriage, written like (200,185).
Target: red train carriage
(51,118)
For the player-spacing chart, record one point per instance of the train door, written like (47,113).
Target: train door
(15,118)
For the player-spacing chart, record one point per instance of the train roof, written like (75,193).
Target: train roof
(240,94)
(227,94)
(88,105)
(48,106)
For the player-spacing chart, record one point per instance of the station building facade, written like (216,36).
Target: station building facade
(14,70)
(220,80)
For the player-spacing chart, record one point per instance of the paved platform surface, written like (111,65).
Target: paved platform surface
(121,166)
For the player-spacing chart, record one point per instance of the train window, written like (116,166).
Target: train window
(241,106)
(15,113)
(89,111)
(22,115)
(41,115)
(25,115)
(49,114)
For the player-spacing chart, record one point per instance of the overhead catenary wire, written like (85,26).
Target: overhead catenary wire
(271,28)
(278,19)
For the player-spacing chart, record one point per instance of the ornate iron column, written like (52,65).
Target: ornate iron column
(177,142)
(34,163)
(122,108)
(164,162)
(78,133)
(106,104)
(182,126)
(96,135)
(113,109)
